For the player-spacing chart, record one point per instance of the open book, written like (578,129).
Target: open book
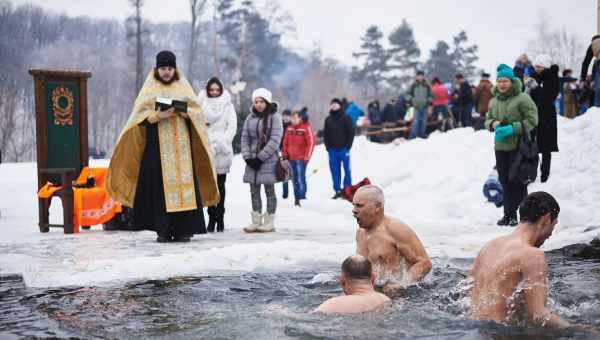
(162,104)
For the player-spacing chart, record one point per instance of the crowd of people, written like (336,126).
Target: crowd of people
(168,164)
(179,167)
(461,104)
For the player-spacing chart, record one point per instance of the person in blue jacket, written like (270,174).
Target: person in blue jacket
(354,112)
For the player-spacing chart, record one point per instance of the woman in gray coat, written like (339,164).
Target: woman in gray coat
(261,137)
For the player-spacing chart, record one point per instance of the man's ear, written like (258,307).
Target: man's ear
(546,220)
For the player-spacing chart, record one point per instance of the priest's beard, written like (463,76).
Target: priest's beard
(173,79)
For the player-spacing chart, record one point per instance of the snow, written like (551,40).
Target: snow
(434,185)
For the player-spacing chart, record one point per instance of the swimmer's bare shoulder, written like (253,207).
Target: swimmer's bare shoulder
(405,237)
(354,304)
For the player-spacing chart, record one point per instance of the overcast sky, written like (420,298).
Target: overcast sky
(500,28)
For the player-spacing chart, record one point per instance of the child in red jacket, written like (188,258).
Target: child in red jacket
(298,145)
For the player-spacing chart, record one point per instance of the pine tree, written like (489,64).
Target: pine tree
(440,63)
(404,53)
(375,65)
(464,55)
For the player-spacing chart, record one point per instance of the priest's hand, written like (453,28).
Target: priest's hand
(166,113)
(254,163)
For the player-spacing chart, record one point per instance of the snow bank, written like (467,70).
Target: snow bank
(435,185)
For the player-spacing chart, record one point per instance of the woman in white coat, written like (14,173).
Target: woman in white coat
(221,123)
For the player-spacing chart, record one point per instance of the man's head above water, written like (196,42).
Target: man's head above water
(369,206)
(356,270)
(539,211)
(357,280)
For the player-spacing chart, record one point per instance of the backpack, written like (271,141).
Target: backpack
(524,167)
(348,192)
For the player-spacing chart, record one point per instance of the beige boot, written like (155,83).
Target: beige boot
(268,224)
(256,223)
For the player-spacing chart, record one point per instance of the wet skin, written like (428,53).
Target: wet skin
(398,256)
(509,277)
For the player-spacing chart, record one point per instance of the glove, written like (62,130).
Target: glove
(502,132)
(254,163)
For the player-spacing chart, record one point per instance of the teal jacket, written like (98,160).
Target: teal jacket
(513,107)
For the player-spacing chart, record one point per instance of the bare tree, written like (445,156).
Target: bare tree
(137,32)
(215,42)
(280,20)
(562,45)
(333,81)
(196,9)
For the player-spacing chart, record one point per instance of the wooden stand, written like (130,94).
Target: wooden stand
(61,136)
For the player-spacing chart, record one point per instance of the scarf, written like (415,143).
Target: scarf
(214,108)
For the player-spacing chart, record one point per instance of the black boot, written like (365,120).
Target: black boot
(220,224)
(503,221)
(163,239)
(337,195)
(182,239)
(211,225)
(297,202)
(513,221)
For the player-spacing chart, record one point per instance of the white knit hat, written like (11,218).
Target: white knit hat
(543,60)
(262,93)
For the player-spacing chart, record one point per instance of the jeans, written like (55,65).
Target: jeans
(299,178)
(337,158)
(514,192)
(257,200)
(419,123)
(286,189)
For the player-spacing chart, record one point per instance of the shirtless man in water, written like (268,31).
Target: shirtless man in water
(509,274)
(397,255)
(357,282)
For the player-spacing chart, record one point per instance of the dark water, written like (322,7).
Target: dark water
(275,306)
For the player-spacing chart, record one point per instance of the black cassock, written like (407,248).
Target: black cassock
(149,210)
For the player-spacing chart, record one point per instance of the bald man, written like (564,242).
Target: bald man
(398,256)
(357,280)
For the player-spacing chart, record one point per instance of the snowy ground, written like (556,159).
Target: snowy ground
(434,185)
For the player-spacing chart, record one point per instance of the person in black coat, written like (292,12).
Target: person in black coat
(338,136)
(375,118)
(390,114)
(464,100)
(544,95)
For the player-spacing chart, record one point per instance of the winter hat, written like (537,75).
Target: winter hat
(543,60)
(262,93)
(165,58)
(505,71)
(337,100)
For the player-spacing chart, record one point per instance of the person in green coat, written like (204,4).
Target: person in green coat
(512,113)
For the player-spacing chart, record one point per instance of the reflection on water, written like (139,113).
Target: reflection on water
(276,305)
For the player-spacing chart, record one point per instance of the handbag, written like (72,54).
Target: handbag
(524,167)
(283,172)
